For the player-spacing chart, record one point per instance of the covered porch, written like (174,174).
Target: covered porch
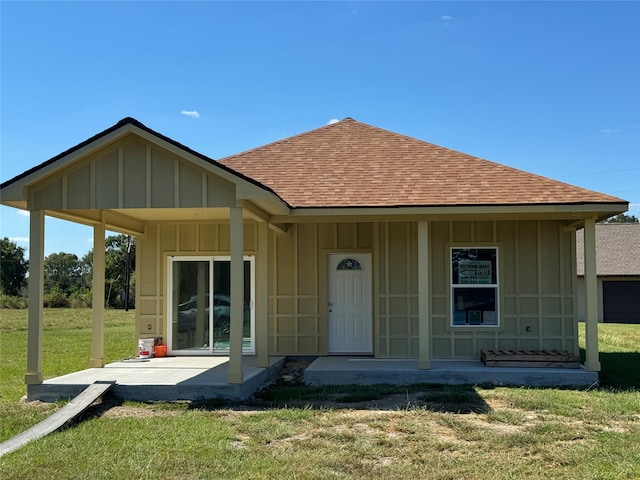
(163,379)
(129,179)
(370,371)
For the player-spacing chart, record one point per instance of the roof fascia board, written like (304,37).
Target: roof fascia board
(255,213)
(252,211)
(47,169)
(14,195)
(570,212)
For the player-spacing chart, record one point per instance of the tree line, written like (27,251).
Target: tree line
(67,278)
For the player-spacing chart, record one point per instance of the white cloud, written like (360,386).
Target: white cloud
(23,213)
(190,113)
(332,121)
(609,130)
(446,17)
(19,239)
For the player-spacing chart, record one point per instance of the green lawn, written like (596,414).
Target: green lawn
(423,431)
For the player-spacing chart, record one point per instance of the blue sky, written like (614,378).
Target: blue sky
(548,87)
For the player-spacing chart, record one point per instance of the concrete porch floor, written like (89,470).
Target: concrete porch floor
(368,371)
(162,379)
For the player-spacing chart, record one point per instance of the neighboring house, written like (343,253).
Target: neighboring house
(618,271)
(344,240)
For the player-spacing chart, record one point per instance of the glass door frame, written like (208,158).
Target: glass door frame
(211,259)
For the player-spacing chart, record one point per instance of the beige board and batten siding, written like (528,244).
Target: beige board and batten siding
(132,174)
(298,283)
(184,239)
(536,286)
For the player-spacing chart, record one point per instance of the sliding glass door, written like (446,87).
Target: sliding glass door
(199,305)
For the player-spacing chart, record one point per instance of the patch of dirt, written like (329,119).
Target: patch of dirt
(292,372)
(361,407)
(126,411)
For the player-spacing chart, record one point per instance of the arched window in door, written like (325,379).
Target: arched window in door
(349,264)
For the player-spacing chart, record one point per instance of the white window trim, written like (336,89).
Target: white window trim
(211,259)
(453,286)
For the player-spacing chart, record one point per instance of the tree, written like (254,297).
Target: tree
(622,218)
(120,251)
(13,268)
(62,272)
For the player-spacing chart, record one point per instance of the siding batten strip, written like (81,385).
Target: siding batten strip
(65,192)
(204,191)
(148,176)
(120,177)
(176,184)
(92,185)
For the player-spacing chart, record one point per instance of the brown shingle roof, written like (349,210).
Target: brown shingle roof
(352,164)
(617,249)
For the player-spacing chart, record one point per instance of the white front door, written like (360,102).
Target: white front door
(350,308)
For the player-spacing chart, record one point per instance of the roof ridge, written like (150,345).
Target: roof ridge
(289,138)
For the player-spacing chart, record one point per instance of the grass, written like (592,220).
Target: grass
(619,355)
(294,432)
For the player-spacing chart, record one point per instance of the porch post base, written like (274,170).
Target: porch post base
(424,364)
(96,363)
(234,378)
(33,378)
(262,361)
(592,366)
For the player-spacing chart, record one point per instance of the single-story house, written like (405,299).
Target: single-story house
(617,270)
(344,240)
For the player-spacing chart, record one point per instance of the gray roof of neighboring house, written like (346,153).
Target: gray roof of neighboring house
(617,249)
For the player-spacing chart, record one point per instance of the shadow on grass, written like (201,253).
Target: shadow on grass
(620,370)
(462,399)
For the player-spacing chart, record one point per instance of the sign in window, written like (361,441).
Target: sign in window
(474,286)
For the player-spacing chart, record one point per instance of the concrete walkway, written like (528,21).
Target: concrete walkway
(162,379)
(368,371)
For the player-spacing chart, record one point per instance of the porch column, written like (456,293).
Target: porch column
(262,297)
(424,335)
(592,361)
(36,293)
(97,334)
(237,295)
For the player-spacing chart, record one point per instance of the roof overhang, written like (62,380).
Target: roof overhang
(571,212)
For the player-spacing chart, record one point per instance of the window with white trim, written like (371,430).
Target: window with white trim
(474,286)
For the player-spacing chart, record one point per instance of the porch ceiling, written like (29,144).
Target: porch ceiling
(133,220)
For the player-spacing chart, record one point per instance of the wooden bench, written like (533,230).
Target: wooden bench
(529,358)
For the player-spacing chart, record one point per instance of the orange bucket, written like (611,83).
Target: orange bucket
(160,351)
